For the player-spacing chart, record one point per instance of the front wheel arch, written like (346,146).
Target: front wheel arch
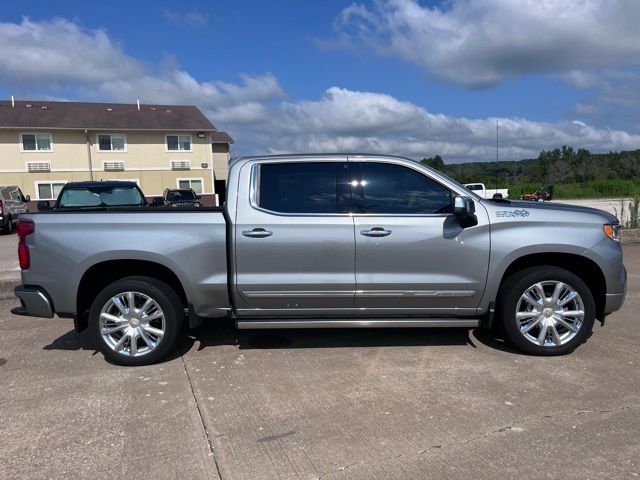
(583,267)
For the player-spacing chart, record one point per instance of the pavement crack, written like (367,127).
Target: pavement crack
(199,410)
(507,428)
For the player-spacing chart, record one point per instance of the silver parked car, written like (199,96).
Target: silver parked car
(12,203)
(325,241)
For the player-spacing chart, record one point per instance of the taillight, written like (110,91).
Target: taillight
(25,227)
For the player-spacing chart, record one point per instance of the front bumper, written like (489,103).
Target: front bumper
(614,301)
(34,302)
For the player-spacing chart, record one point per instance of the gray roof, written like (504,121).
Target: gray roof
(220,137)
(104,116)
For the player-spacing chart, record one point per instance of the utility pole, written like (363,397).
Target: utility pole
(497,164)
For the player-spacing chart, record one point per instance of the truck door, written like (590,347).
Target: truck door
(294,245)
(412,256)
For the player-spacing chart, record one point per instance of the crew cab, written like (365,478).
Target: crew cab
(324,241)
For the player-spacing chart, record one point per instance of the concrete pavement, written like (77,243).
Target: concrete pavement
(334,404)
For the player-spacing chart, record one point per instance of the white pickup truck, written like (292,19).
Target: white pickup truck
(487,193)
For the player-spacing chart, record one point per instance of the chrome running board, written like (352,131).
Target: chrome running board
(246,324)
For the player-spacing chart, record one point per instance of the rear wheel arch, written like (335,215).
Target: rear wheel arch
(583,267)
(98,276)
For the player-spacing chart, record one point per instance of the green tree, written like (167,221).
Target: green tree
(434,162)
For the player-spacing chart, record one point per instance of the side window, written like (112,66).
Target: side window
(394,189)
(298,187)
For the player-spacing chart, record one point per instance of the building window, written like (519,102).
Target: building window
(49,190)
(36,142)
(110,142)
(179,143)
(194,184)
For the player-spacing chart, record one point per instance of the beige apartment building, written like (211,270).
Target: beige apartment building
(45,144)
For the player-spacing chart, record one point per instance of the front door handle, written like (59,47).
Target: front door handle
(375,232)
(257,233)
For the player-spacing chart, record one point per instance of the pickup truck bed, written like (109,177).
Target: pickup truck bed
(189,242)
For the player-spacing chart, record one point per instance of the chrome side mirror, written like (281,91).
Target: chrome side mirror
(464,208)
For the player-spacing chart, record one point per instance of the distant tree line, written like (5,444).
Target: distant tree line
(559,166)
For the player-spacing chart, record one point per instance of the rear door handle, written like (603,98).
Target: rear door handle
(375,232)
(257,233)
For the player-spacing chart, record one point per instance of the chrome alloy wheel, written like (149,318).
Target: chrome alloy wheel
(132,324)
(550,313)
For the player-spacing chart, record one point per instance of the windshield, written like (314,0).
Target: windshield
(101,196)
(181,196)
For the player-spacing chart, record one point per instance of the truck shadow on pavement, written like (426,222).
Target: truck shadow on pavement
(223,332)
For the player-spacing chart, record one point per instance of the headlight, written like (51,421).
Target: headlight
(612,230)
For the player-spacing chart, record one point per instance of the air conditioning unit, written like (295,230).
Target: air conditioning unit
(113,166)
(39,166)
(180,165)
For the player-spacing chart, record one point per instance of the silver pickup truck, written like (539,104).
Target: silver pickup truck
(317,241)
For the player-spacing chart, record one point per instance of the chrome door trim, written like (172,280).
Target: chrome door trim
(364,293)
(298,293)
(416,293)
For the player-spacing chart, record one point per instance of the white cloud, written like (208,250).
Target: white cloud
(58,56)
(478,43)
(256,113)
(347,120)
(245,102)
(60,52)
(612,95)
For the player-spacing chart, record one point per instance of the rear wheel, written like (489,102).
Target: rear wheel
(136,320)
(8,227)
(546,310)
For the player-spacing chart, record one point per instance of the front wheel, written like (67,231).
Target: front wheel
(136,320)
(546,310)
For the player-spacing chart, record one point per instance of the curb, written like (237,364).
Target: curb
(6,288)
(630,235)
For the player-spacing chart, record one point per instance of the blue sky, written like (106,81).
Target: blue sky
(399,76)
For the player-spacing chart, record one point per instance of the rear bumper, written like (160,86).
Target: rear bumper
(34,302)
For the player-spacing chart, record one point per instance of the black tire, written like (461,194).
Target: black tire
(163,295)
(518,283)
(8,227)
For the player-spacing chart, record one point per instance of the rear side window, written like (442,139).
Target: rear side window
(394,189)
(298,187)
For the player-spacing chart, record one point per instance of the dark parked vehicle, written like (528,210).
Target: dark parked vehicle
(183,197)
(12,203)
(96,195)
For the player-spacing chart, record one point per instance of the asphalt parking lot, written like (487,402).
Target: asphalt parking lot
(322,404)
